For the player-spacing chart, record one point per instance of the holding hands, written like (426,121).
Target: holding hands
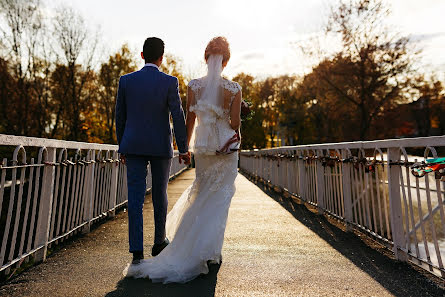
(123,159)
(186,158)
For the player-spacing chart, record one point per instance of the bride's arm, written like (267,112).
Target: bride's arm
(191,116)
(235,112)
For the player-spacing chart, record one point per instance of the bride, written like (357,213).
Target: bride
(197,222)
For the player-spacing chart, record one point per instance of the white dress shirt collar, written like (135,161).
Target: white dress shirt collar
(151,65)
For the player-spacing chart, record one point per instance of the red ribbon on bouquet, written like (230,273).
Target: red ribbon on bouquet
(225,149)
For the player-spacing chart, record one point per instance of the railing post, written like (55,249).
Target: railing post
(260,166)
(281,167)
(89,194)
(113,190)
(346,185)
(301,177)
(254,165)
(396,205)
(46,202)
(320,183)
(292,174)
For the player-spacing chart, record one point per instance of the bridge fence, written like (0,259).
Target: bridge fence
(52,189)
(369,186)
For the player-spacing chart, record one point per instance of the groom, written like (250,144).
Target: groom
(145,100)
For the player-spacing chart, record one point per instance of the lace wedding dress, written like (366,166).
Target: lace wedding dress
(197,222)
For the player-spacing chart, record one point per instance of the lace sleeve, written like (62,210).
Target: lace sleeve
(191,90)
(231,86)
(237,86)
(194,85)
(234,88)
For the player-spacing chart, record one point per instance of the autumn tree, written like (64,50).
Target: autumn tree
(430,112)
(8,96)
(302,117)
(117,65)
(276,98)
(76,52)
(22,34)
(172,65)
(267,107)
(252,130)
(370,72)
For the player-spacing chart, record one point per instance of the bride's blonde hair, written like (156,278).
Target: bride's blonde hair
(218,46)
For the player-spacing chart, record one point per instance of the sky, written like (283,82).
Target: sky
(264,35)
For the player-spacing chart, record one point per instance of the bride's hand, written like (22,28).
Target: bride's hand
(185,158)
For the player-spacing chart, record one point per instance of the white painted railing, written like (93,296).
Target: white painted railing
(355,183)
(52,189)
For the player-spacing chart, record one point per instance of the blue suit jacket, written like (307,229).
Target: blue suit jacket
(145,100)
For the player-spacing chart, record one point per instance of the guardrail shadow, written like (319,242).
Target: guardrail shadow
(204,286)
(399,278)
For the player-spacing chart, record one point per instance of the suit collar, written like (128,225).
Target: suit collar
(150,66)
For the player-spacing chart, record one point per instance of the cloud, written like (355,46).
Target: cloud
(252,56)
(426,37)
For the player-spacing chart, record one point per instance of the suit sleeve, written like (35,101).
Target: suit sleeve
(121,110)
(175,107)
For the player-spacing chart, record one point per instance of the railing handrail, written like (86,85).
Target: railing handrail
(14,140)
(385,143)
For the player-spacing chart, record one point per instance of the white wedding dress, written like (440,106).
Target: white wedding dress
(197,222)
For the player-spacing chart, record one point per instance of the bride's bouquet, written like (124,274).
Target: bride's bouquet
(246,111)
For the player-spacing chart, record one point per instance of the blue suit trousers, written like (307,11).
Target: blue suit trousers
(136,180)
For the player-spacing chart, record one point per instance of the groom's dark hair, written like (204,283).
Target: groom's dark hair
(153,49)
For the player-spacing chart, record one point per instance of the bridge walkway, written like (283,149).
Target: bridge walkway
(272,247)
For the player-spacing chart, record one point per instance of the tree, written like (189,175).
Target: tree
(21,35)
(172,66)
(252,131)
(117,65)
(72,35)
(8,97)
(276,96)
(430,111)
(70,112)
(371,71)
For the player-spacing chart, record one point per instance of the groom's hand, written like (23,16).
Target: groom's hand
(185,158)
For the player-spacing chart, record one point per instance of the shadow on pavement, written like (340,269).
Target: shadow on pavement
(399,278)
(204,285)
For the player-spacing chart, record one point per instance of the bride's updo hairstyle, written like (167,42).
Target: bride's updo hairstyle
(218,46)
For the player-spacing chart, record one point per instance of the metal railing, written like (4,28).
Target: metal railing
(367,185)
(52,189)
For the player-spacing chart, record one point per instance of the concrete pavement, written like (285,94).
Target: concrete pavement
(272,247)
